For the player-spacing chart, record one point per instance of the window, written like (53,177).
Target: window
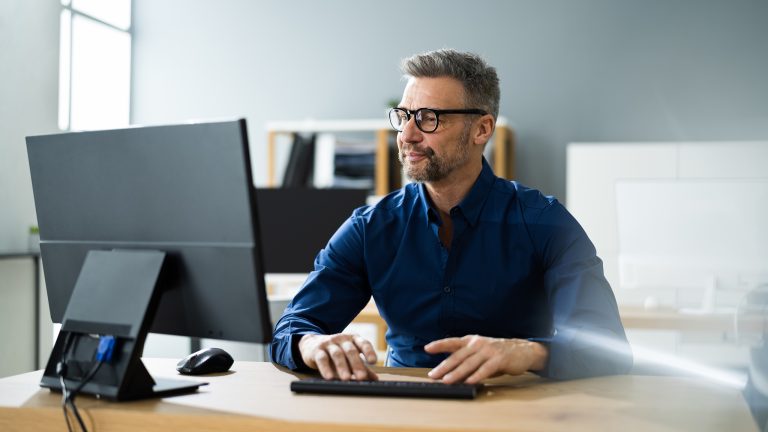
(95,64)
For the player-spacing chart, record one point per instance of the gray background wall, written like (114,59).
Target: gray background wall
(29,55)
(571,70)
(29,70)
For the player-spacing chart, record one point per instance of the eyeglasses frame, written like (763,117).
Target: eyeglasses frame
(438,112)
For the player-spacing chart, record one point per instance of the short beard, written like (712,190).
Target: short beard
(438,167)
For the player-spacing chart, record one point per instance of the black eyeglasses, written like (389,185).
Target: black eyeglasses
(427,119)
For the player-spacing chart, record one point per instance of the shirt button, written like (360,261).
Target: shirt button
(447,289)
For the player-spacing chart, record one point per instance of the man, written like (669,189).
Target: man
(475,276)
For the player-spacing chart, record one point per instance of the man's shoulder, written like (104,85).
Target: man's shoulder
(392,204)
(527,198)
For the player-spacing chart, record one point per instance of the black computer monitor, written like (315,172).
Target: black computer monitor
(147,229)
(293,250)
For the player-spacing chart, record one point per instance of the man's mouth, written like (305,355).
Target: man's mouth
(418,155)
(415,156)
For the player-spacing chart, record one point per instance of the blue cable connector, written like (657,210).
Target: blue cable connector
(106,347)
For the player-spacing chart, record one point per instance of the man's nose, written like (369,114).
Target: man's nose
(411,133)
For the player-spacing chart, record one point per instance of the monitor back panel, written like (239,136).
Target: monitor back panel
(183,189)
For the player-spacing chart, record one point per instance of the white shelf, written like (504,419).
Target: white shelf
(360,125)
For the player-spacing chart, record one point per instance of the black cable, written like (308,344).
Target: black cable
(68,396)
(77,415)
(71,395)
(88,377)
(64,402)
(61,370)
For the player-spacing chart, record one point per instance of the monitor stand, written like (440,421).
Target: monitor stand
(115,294)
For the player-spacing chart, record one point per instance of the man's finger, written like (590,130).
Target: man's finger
(486,370)
(444,345)
(359,371)
(465,368)
(339,361)
(372,375)
(450,363)
(366,348)
(323,364)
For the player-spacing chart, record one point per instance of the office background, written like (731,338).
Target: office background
(585,70)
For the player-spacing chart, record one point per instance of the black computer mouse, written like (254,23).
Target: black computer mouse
(205,361)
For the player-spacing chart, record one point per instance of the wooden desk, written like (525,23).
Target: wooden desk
(671,319)
(370,315)
(256,397)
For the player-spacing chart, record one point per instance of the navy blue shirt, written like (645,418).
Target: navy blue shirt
(519,266)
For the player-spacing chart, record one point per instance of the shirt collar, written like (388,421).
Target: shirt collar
(471,205)
(426,206)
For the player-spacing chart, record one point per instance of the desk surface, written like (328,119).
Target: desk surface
(671,319)
(257,397)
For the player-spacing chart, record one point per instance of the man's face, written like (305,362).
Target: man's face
(431,157)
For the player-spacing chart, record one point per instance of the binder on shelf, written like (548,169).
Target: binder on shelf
(343,163)
(354,164)
(298,172)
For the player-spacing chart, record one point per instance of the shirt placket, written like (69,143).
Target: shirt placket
(449,261)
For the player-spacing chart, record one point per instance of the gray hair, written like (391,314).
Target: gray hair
(480,82)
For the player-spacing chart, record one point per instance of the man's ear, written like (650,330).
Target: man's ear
(484,129)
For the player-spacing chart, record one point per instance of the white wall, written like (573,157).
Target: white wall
(29,44)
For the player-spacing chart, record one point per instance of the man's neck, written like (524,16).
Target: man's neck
(448,192)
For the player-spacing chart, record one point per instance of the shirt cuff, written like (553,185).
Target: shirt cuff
(296,354)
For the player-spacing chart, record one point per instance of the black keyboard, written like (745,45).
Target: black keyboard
(416,389)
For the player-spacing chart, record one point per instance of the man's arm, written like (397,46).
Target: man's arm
(588,338)
(308,333)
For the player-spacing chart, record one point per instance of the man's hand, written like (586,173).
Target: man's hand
(338,356)
(474,358)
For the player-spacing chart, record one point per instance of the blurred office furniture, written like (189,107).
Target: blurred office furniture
(752,330)
(705,250)
(595,169)
(697,244)
(502,146)
(13,300)
(256,397)
(297,223)
(298,172)
(632,317)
